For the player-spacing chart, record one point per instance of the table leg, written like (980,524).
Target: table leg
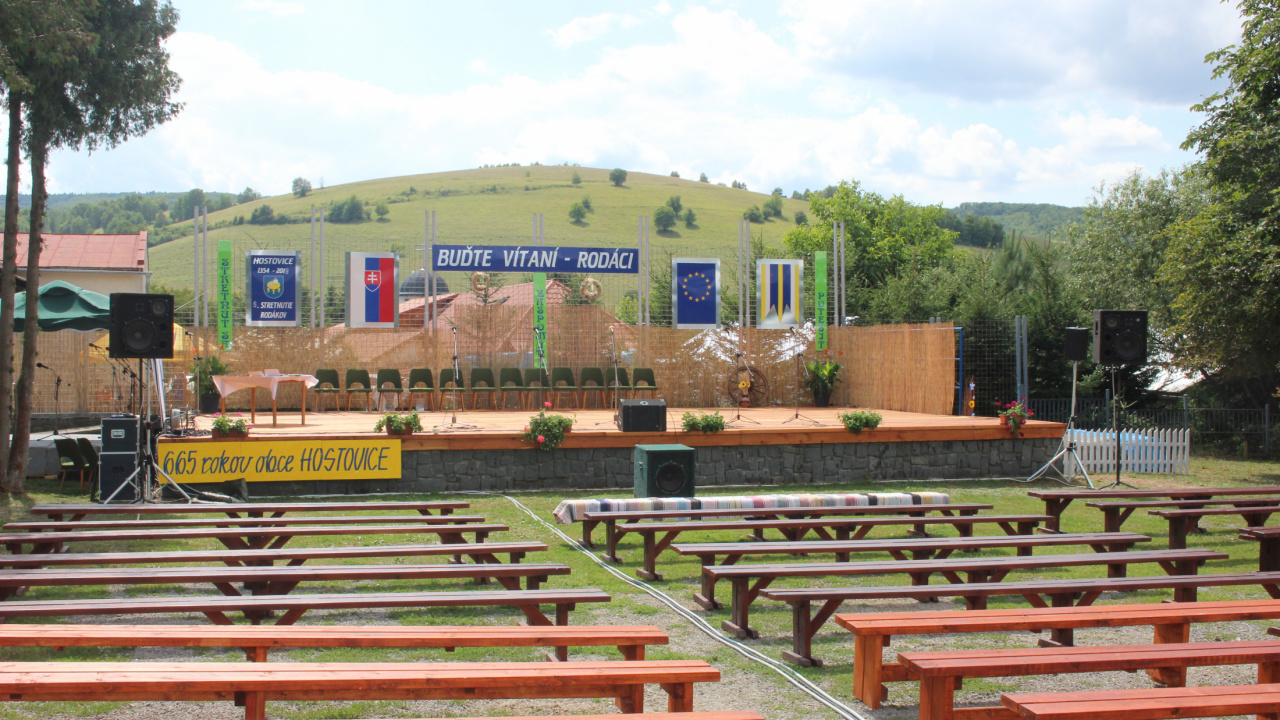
(868,659)
(304,403)
(274,418)
(1171,633)
(253,405)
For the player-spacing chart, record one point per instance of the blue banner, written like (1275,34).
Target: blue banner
(780,305)
(695,293)
(521,258)
(271,284)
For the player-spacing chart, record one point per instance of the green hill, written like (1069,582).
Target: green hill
(1035,219)
(492,206)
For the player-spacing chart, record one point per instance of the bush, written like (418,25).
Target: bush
(690,218)
(856,421)
(577,212)
(586,204)
(347,211)
(577,179)
(703,178)
(301,186)
(618,176)
(773,207)
(381,209)
(262,215)
(664,218)
(547,431)
(712,423)
(675,174)
(753,214)
(398,422)
(673,202)
(801,217)
(248,195)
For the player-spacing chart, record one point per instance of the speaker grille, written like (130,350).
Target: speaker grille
(139,336)
(670,478)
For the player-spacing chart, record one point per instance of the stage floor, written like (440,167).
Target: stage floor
(501,429)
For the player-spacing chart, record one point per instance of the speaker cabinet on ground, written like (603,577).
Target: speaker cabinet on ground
(1120,337)
(120,434)
(1075,341)
(664,471)
(643,415)
(114,469)
(141,326)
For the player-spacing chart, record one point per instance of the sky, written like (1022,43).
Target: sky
(939,101)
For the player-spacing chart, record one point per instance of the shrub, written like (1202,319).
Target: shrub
(664,218)
(753,214)
(773,206)
(707,423)
(577,212)
(858,420)
(673,202)
(577,179)
(675,174)
(347,211)
(703,178)
(262,215)
(618,176)
(398,422)
(801,217)
(586,204)
(381,209)
(301,186)
(547,431)
(690,218)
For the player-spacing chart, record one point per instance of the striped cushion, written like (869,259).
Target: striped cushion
(570,511)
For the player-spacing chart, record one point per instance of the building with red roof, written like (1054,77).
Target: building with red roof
(101,263)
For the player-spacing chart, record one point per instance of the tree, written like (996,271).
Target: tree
(262,215)
(675,174)
(664,218)
(801,217)
(795,195)
(248,195)
(577,212)
(673,202)
(690,219)
(703,178)
(350,210)
(773,206)
(381,210)
(586,204)
(577,179)
(753,214)
(301,186)
(617,176)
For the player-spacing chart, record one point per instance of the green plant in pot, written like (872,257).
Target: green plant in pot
(227,426)
(821,377)
(398,423)
(205,369)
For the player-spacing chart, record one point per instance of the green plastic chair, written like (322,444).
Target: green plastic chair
(483,378)
(563,375)
(620,380)
(389,377)
(69,460)
(90,455)
(448,381)
(642,379)
(330,378)
(535,379)
(512,376)
(358,382)
(592,375)
(422,377)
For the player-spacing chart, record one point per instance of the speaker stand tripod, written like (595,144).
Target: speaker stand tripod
(1115,427)
(1067,450)
(615,381)
(799,382)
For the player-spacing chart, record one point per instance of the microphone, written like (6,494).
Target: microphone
(188,333)
(42,365)
(95,347)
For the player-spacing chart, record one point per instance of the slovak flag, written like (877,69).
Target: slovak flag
(372,283)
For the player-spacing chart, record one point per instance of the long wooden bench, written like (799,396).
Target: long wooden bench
(1171,621)
(937,548)
(1056,501)
(242,538)
(940,674)
(624,681)
(486,552)
(274,579)
(1181,521)
(724,715)
(1148,703)
(1116,512)
(257,640)
(611,518)
(59,526)
(1040,593)
(827,528)
(257,607)
(1268,539)
(977,571)
(69,511)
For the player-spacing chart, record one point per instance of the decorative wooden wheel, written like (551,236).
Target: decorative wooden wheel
(747,387)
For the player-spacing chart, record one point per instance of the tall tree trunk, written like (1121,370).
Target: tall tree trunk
(24,394)
(8,273)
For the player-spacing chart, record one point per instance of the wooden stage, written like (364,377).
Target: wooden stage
(501,429)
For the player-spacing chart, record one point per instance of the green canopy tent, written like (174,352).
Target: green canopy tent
(64,306)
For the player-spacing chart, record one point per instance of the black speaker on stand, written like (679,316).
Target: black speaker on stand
(141,326)
(1119,339)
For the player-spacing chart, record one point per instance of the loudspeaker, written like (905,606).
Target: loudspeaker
(141,326)
(643,415)
(1120,337)
(664,471)
(1075,344)
(114,468)
(120,434)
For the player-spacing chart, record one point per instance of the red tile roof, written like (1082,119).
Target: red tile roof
(89,252)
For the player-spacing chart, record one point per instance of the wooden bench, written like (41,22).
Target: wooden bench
(1171,621)
(611,518)
(274,579)
(1056,501)
(940,674)
(978,571)
(257,607)
(827,528)
(624,681)
(1268,546)
(1115,512)
(725,715)
(1181,521)
(1148,704)
(241,538)
(68,511)
(256,640)
(60,526)
(478,552)
(1056,593)
(898,548)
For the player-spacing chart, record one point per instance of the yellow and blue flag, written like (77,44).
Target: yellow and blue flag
(781,292)
(695,293)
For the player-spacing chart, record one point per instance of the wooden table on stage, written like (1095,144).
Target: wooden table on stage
(228,384)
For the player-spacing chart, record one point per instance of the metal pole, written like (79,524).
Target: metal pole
(639,269)
(835,270)
(1266,429)
(204,273)
(324,281)
(313,266)
(648,267)
(841,291)
(426,275)
(435,295)
(195,265)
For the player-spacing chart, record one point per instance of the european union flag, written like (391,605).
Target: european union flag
(695,293)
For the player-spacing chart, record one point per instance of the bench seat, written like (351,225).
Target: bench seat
(1059,593)
(624,681)
(1056,501)
(725,715)
(1181,521)
(171,523)
(72,511)
(1147,704)
(1115,512)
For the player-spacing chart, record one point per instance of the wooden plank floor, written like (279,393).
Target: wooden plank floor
(594,428)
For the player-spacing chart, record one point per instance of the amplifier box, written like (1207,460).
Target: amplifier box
(120,434)
(642,415)
(664,471)
(114,469)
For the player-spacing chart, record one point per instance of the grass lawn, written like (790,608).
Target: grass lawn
(745,685)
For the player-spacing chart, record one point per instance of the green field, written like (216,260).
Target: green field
(495,206)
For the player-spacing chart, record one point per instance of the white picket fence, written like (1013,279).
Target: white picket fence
(1144,451)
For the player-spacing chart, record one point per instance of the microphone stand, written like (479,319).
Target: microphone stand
(737,417)
(799,382)
(57,412)
(613,358)
(453,424)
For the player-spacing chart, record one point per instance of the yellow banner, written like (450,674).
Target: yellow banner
(281,460)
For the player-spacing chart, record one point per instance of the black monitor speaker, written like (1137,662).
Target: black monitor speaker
(1120,337)
(1075,344)
(664,471)
(642,415)
(141,326)
(120,434)
(114,471)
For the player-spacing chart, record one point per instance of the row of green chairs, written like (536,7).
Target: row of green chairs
(388,383)
(76,455)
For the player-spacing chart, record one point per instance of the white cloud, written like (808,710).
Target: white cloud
(584,29)
(277,8)
(662,8)
(480,66)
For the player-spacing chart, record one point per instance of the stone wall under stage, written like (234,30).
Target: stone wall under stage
(610,468)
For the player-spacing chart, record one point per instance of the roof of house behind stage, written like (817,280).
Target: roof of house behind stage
(89,252)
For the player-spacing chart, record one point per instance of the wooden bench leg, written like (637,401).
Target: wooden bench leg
(255,706)
(937,698)
(587,527)
(707,598)
(1268,672)
(632,699)
(650,569)
(739,611)
(868,664)
(1172,633)
(611,537)
(679,697)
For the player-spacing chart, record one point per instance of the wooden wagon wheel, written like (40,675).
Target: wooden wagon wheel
(749,384)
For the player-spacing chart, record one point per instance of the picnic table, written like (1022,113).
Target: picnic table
(72,511)
(1115,512)
(1149,703)
(228,384)
(1268,538)
(1181,521)
(170,523)
(1056,501)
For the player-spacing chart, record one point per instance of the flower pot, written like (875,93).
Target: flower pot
(401,432)
(209,403)
(233,435)
(821,398)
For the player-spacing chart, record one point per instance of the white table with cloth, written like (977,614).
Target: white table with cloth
(228,384)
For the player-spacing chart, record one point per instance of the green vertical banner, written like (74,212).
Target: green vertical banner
(540,317)
(224,294)
(820,301)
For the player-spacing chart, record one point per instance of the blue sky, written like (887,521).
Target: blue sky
(938,101)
